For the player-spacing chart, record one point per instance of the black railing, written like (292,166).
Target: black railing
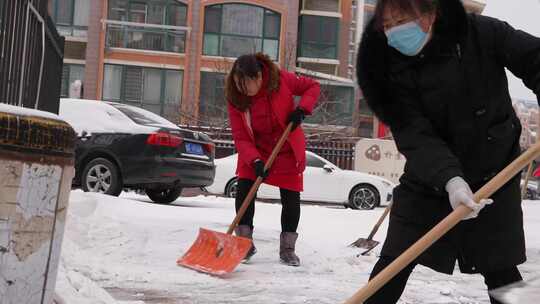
(341,153)
(31,55)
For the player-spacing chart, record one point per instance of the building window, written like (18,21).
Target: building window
(212,106)
(157,90)
(319,37)
(70,74)
(232,30)
(365,126)
(336,105)
(71,17)
(322,5)
(164,12)
(330,69)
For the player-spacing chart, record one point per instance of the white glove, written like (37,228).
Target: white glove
(459,192)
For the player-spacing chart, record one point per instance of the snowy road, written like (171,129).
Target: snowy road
(129,247)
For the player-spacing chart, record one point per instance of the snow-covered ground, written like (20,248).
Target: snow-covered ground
(129,247)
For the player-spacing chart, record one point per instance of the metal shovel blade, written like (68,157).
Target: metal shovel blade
(366,244)
(215,253)
(519,293)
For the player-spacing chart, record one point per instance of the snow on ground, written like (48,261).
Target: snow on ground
(129,246)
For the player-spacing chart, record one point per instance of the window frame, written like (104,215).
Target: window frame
(168,10)
(167,35)
(220,34)
(166,5)
(307,9)
(131,3)
(341,118)
(141,102)
(65,81)
(302,42)
(217,89)
(71,25)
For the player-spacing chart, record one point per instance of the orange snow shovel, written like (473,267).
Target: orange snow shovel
(218,253)
(443,227)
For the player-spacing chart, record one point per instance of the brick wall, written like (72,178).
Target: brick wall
(344,38)
(94,51)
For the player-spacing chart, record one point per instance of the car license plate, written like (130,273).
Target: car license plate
(196,149)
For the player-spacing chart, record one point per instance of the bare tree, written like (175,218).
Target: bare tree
(213,112)
(289,55)
(212,106)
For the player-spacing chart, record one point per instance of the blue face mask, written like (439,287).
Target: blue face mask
(408,38)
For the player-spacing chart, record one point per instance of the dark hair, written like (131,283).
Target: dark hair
(412,7)
(245,66)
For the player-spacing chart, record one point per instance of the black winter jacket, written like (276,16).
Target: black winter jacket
(450,113)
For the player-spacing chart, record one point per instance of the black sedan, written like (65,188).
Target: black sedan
(126,147)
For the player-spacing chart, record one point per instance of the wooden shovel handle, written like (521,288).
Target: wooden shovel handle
(259,180)
(380,221)
(443,227)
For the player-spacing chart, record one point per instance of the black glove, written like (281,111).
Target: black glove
(258,165)
(296,117)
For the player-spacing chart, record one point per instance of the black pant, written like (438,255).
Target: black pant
(391,292)
(290,201)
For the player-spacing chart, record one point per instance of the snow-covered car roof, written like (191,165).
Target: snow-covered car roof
(95,116)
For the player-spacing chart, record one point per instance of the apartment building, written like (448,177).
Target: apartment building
(171,56)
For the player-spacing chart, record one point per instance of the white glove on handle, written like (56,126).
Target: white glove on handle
(459,192)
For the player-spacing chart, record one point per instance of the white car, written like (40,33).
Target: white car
(323,182)
(532,190)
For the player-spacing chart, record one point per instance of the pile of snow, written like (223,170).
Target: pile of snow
(74,287)
(129,247)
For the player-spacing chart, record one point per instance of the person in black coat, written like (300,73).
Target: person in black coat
(436,76)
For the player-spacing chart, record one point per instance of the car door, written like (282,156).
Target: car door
(320,184)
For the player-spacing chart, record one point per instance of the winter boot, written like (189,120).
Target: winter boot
(247,232)
(286,249)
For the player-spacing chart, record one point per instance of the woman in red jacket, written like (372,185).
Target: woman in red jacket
(261,104)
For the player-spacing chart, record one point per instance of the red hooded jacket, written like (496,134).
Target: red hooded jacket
(257,130)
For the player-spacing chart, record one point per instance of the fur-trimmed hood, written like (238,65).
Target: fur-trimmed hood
(271,80)
(374,57)
(272,70)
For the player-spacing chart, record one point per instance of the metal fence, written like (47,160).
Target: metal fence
(31,55)
(340,153)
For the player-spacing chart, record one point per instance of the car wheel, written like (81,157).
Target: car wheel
(164,196)
(231,188)
(101,176)
(364,197)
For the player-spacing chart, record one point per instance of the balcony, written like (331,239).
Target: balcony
(149,37)
(77,32)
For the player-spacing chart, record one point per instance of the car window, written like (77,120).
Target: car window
(143,117)
(313,161)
